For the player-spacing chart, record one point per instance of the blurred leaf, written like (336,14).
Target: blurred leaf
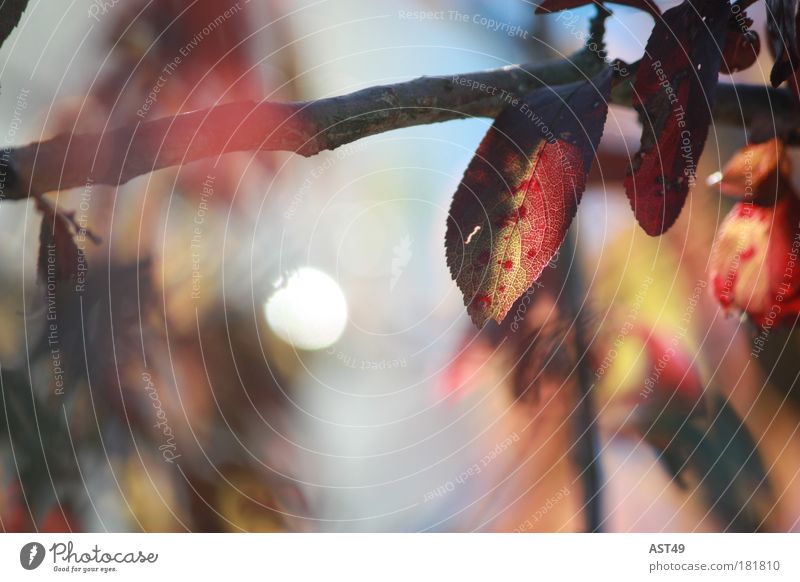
(752,268)
(760,173)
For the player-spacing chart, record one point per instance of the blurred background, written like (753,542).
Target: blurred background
(267,342)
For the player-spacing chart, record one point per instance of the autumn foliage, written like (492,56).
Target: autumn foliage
(521,191)
(519,194)
(509,222)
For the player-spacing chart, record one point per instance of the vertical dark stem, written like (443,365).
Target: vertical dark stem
(587,442)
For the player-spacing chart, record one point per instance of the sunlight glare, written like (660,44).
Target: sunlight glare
(309,311)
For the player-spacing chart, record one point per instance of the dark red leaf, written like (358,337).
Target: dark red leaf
(548,6)
(741,50)
(674,93)
(59,256)
(520,192)
(782,24)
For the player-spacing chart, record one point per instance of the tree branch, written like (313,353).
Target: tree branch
(307,128)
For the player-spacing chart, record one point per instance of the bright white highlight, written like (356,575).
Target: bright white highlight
(309,311)
(714,179)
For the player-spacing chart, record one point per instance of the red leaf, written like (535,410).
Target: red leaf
(548,6)
(741,50)
(520,193)
(674,93)
(59,256)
